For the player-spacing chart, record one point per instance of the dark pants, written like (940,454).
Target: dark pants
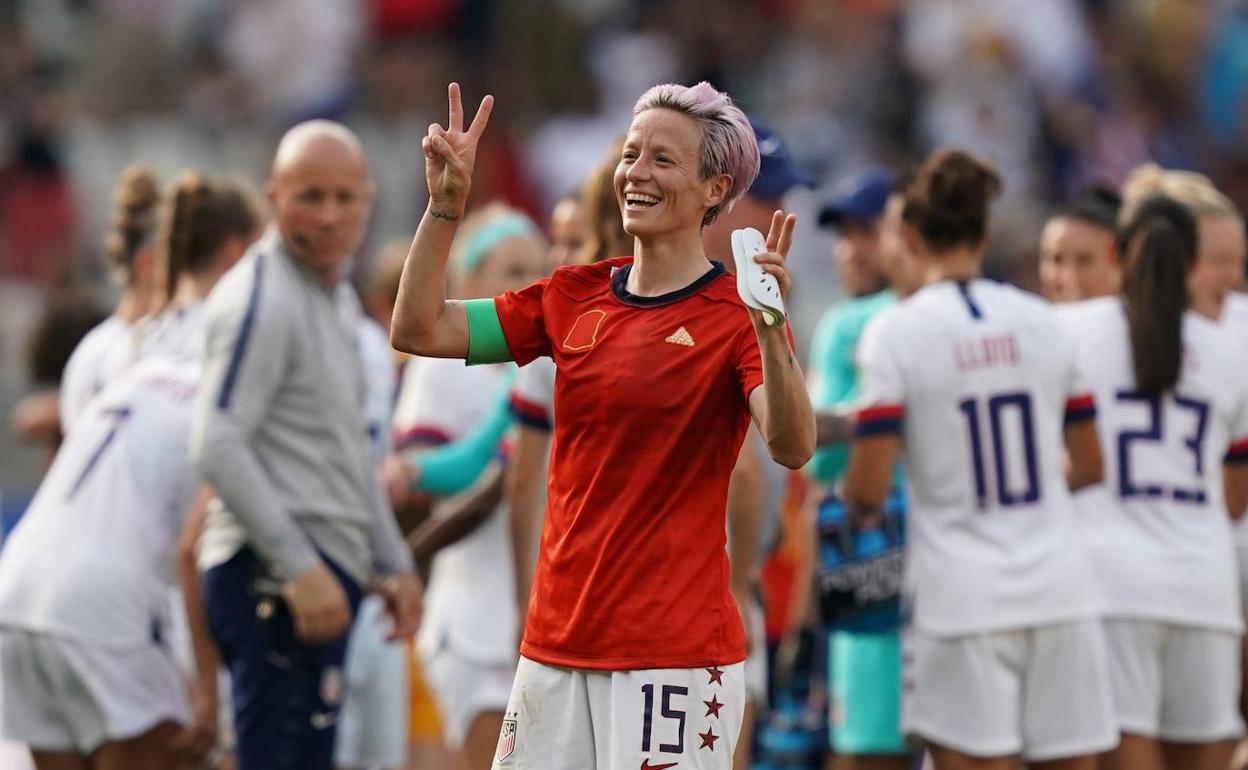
(286,693)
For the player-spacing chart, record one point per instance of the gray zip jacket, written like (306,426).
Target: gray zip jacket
(279,425)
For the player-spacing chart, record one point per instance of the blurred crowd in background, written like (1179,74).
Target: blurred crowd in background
(1058,94)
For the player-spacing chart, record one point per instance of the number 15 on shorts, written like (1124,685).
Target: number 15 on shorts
(693,724)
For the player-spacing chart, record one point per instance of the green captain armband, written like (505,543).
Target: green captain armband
(486,343)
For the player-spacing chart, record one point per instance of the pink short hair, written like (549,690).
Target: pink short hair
(728,142)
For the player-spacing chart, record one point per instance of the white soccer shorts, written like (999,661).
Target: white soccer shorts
(1175,683)
(372,727)
(63,695)
(756,663)
(1040,692)
(571,719)
(464,689)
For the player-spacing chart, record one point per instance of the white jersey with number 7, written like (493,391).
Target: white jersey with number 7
(92,558)
(1160,531)
(978,379)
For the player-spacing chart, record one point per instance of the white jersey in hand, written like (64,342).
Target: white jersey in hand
(978,377)
(470,602)
(1159,529)
(92,558)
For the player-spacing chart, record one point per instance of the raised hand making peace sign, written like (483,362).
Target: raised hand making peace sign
(451,153)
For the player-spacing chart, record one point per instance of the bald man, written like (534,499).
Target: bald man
(302,526)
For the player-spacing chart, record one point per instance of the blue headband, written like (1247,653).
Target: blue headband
(490,235)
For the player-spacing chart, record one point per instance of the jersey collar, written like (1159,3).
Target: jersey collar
(619,287)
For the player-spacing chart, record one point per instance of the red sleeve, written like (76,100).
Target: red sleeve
(750,359)
(522,317)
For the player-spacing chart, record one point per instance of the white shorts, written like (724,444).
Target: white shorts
(571,719)
(1040,692)
(465,689)
(756,664)
(1175,683)
(63,695)
(372,726)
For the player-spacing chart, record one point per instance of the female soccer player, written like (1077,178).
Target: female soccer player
(90,678)
(1077,259)
(533,395)
(977,382)
(1218,272)
(109,348)
(1174,424)
(1219,267)
(467,640)
(633,646)
(207,227)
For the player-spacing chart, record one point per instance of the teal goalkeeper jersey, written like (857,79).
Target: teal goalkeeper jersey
(834,373)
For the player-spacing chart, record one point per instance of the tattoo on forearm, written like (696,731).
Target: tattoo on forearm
(449,216)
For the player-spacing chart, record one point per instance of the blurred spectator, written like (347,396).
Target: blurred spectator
(295,57)
(66,319)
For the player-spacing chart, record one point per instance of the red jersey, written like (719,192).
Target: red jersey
(651,407)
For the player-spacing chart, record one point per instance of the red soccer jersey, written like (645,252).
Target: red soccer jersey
(651,407)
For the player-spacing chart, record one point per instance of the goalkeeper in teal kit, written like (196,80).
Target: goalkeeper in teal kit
(859,570)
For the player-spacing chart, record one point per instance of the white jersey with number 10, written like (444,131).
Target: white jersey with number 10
(978,379)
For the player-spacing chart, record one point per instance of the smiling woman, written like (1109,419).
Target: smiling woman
(632,631)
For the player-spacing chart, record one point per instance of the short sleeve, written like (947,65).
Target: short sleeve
(434,400)
(749,361)
(881,408)
(522,317)
(750,358)
(532,398)
(1080,403)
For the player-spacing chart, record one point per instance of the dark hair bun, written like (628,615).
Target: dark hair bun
(948,199)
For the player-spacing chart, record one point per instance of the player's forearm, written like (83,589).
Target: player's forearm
(390,552)
(745,515)
(790,425)
(460,516)
(833,427)
(204,651)
(450,469)
(524,512)
(525,479)
(421,322)
(227,462)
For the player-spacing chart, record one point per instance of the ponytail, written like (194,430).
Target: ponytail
(188,196)
(201,215)
(1158,246)
(135,201)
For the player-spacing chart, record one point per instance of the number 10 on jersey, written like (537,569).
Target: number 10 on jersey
(999,410)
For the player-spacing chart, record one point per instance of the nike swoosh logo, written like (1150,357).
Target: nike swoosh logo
(647,766)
